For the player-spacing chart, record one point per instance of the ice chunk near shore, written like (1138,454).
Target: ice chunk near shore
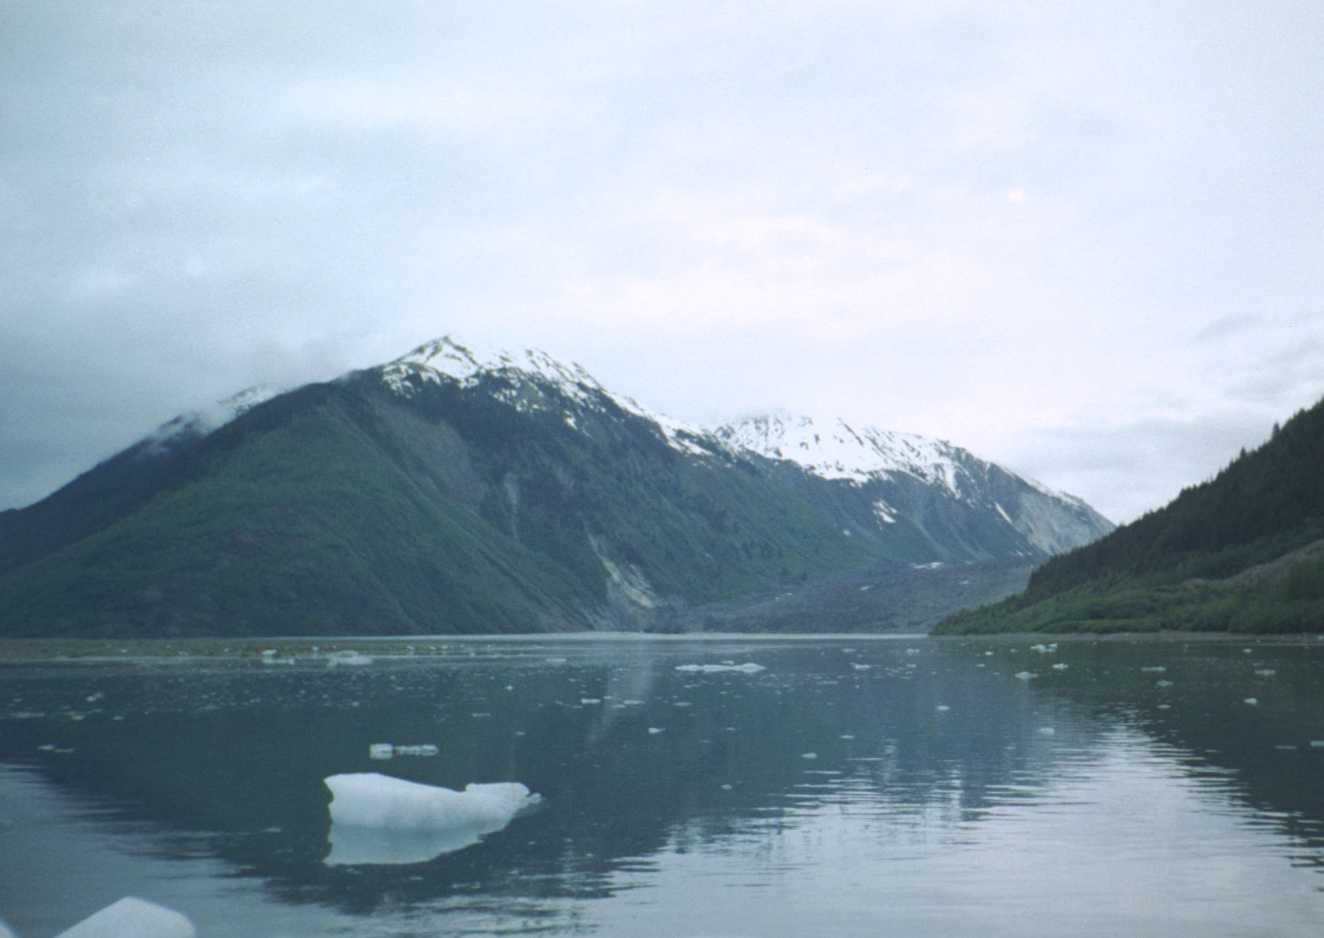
(132,918)
(379,819)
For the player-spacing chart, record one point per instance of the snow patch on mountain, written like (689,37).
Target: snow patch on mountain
(833,449)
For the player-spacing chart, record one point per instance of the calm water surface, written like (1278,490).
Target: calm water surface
(851,787)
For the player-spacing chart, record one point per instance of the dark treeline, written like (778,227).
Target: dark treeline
(1275,492)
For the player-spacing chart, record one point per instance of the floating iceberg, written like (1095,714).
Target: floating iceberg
(132,918)
(379,819)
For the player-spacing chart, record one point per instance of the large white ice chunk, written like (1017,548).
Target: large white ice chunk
(132,918)
(379,819)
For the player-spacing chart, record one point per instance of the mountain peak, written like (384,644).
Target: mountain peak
(464,362)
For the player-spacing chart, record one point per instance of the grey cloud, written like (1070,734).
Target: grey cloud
(198,197)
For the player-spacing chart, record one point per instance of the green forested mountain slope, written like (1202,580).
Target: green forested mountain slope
(1235,553)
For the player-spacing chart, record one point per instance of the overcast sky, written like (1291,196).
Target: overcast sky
(1084,240)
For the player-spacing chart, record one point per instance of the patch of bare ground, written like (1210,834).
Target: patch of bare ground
(1272,572)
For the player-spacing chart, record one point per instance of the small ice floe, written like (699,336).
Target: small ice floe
(1317,744)
(748,667)
(1251,700)
(808,755)
(942,708)
(383,820)
(353,658)
(1046,731)
(1045,649)
(131,918)
(1163,683)
(588,701)
(860,667)
(1060,666)
(1265,672)
(1154,669)
(1165,706)
(654,730)
(1025,675)
(846,736)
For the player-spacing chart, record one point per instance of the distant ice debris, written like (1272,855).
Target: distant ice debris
(354,658)
(131,918)
(1252,701)
(388,750)
(1025,675)
(379,819)
(748,667)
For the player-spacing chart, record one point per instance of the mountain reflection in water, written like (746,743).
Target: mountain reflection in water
(851,785)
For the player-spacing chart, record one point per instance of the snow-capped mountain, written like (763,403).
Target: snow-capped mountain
(923,483)
(457,489)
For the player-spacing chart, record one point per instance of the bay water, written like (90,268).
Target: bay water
(689,787)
